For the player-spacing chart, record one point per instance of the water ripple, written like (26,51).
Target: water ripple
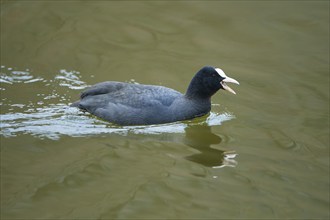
(70,79)
(18,77)
(56,120)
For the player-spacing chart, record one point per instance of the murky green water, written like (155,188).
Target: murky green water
(263,153)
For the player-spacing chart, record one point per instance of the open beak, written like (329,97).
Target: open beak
(229,80)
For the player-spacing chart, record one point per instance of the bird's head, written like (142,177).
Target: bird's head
(208,81)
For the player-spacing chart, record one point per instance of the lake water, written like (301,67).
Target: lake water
(263,153)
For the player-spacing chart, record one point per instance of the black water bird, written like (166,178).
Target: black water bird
(137,104)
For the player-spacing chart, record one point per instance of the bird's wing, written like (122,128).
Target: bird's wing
(103,88)
(134,95)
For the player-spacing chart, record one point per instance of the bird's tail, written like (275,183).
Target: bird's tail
(75,104)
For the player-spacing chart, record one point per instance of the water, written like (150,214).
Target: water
(263,153)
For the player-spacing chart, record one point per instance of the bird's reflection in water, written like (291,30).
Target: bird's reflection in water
(200,137)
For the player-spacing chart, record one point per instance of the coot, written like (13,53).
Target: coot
(137,104)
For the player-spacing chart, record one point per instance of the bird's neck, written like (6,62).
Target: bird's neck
(194,91)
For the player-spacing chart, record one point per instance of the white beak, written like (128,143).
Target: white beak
(228,80)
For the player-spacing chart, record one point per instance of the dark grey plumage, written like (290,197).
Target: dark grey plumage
(136,104)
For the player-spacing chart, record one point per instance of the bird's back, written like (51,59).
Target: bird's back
(127,103)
